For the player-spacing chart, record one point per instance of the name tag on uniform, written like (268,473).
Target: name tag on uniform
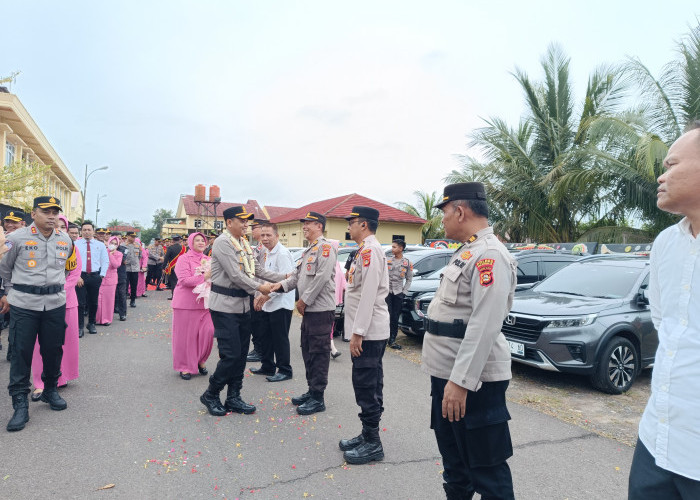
(459,263)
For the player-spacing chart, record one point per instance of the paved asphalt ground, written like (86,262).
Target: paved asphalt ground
(133,423)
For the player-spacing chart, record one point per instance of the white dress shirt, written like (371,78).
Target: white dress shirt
(98,253)
(278,260)
(670,426)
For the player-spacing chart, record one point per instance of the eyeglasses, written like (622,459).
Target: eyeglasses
(350,223)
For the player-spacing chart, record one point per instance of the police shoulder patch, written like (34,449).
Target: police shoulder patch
(485,263)
(326,250)
(485,267)
(366,257)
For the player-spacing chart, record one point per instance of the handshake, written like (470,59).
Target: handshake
(268,288)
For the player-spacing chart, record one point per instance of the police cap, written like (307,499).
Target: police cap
(368,213)
(314,217)
(47,202)
(462,191)
(15,215)
(237,211)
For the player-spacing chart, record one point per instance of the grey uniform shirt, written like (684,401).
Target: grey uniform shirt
(155,254)
(314,276)
(35,260)
(133,258)
(366,311)
(477,287)
(227,271)
(400,275)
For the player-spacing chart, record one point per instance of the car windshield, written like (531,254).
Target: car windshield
(603,280)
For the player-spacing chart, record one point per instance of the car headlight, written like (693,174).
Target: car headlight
(421,307)
(572,321)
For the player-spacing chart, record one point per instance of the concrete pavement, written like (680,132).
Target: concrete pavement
(133,423)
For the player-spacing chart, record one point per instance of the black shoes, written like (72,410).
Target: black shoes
(144,295)
(260,371)
(301,399)
(312,405)
(122,317)
(254,357)
(203,370)
(235,404)
(335,354)
(81,333)
(91,328)
(367,450)
(55,401)
(395,346)
(349,444)
(279,377)
(132,303)
(392,342)
(185,376)
(21,415)
(211,400)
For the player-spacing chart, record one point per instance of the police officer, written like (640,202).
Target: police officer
(367,327)
(465,353)
(34,271)
(174,251)
(233,273)
(400,278)
(156,255)
(133,265)
(120,292)
(13,220)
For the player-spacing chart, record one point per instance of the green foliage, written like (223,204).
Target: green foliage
(426,209)
(159,217)
(22,181)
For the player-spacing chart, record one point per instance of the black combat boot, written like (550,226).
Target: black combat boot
(349,444)
(235,404)
(301,399)
(314,404)
(211,400)
(50,395)
(21,416)
(370,449)
(457,493)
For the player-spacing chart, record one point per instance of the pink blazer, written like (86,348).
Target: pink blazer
(115,260)
(183,298)
(71,280)
(144,258)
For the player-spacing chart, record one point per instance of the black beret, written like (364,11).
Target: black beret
(462,191)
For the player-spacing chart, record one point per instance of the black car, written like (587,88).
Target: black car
(590,318)
(533,266)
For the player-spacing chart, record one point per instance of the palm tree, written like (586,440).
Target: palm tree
(524,168)
(426,209)
(114,223)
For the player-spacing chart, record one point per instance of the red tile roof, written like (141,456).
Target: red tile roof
(275,212)
(341,206)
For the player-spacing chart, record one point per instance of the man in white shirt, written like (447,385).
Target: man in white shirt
(275,314)
(666,464)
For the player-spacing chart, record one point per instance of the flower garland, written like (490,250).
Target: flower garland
(248,262)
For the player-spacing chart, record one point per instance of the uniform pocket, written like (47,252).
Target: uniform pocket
(451,284)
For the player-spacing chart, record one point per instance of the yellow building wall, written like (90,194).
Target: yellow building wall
(291,234)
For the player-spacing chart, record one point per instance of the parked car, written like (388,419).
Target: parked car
(590,318)
(533,266)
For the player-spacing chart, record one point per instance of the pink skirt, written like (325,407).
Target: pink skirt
(105,304)
(141,288)
(193,338)
(71,353)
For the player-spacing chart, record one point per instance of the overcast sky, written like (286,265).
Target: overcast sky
(289,102)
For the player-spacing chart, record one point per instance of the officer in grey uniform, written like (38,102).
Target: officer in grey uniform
(465,353)
(233,273)
(314,277)
(367,327)
(400,279)
(133,265)
(34,272)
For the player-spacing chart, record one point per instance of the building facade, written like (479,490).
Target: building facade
(21,141)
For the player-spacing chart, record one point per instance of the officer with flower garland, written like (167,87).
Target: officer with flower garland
(465,353)
(233,273)
(34,272)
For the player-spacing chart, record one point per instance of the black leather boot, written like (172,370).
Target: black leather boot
(314,404)
(21,415)
(370,449)
(50,395)
(392,342)
(457,493)
(349,444)
(235,404)
(211,400)
(301,399)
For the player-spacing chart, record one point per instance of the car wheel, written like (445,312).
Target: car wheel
(617,368)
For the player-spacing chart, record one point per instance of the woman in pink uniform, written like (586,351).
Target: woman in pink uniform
(193,330)
(71,345)
(141,288)
(108,288)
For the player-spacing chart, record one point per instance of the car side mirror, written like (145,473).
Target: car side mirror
(642,297)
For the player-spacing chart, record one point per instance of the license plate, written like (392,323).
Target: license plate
(517,348)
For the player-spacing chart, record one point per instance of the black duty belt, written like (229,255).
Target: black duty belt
(38,290)
(455,330)
(231,292)
(91,273)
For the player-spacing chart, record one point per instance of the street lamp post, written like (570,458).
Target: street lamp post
(87,176)
(97,209)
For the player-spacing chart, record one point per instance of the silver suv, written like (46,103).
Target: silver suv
(591,318)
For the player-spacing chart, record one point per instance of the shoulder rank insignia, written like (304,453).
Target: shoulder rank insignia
(34,231)
(485,268)
(466,255)
(472,238)
(326,250)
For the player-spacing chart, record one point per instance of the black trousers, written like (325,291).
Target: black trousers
(25,327)
(133,278)
(368,381)
(255,327)
(648,481)
(274,340)
(120,299)
(394,302)
(316,348)
(151,275)
(475,449)
(232,332)
(87,297)
(172,279)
